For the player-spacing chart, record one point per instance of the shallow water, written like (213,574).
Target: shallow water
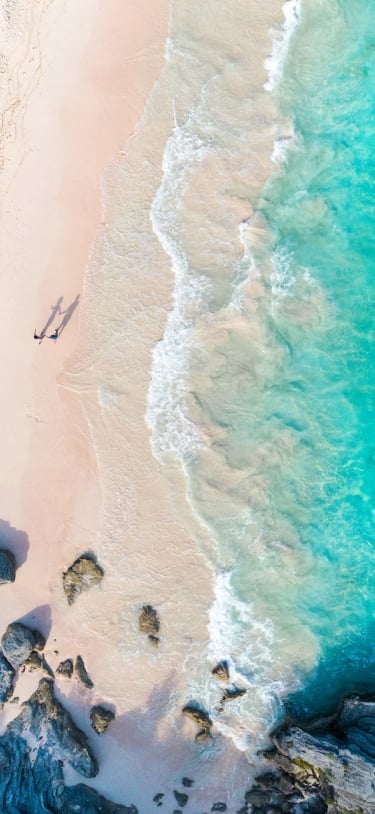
(271,412)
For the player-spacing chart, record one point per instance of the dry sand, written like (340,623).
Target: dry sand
(78,75)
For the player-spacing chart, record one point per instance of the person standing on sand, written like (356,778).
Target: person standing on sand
(38,336)
(55,334)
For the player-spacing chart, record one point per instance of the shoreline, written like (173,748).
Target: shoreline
(113,497)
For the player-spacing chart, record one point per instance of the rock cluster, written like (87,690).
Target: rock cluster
(7,566)
(326,770)
(82,575)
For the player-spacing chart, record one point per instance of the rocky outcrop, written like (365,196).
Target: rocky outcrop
(329,769)
(18,642)
(65,668)
(81,576)
(201,718)
(82,673)
(35,785)
(100,718)
(149,623)
(7,674)
(7,566)
(44,717)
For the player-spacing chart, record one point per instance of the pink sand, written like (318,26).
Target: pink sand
(95,67)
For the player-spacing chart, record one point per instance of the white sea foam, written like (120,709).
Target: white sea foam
(281,38)
(172,430)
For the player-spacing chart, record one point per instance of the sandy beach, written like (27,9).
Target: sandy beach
(73,110)
(73,427)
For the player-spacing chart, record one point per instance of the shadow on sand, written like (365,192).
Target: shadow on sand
(56,312)
(15,540)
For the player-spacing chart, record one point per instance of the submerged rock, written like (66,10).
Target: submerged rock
(149,621)
(65,668)
(231,693)
(47,720)
(101,718)
(219,807)
(82,673)
(7,566)
(7,674)
(18,642)
(81,576)
(221,671)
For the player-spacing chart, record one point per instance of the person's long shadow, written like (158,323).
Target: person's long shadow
(55,310)
(67,314)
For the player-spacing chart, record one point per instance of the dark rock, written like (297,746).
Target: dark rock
(154,639)
(82,673)
(82,799)
(329,768)
(7,566)
(81,576)
(158,797)
(149,620)
(219,807)
(65,668)
(37,786)
(7,674)
(181,797)
(101,718)
(18,641)
(177,811)
(36,661)
(187,782)
(203,735)
(198,715)
(221,671)
(46,719)
(231,693)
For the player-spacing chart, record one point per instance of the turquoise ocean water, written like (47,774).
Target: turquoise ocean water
(268,369)
(321,215)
